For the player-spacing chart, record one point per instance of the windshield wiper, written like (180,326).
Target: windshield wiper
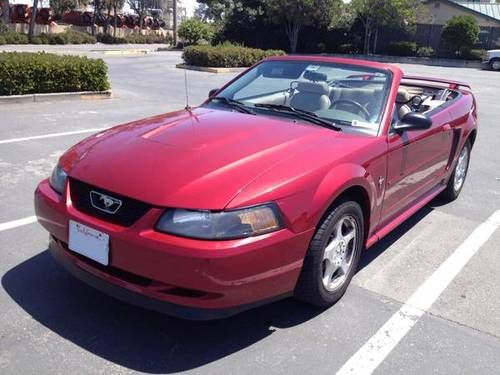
(234,104)
(300,113)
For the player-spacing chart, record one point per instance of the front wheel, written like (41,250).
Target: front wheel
(333,255)
(495,64)
(457,179)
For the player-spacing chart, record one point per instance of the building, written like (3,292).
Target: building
(438,12)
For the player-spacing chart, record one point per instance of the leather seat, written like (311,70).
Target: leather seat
(311,96)
(402,100)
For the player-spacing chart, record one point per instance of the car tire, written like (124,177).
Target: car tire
(495,64)
(333,247)
(457,178)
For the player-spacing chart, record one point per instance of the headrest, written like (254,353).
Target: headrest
(403,96)
(315,76)
(320,88)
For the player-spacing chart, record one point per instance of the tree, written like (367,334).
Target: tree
(216,10)
(61,6)
(193,30)
(140,8)
(34,11)
(5,9)
(374,14)
(112,5)
(295,14)
(460,33)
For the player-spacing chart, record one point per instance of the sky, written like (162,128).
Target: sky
(190,6)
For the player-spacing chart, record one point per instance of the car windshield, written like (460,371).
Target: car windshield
(346,95)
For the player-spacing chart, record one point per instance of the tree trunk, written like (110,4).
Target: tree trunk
(292,31)
(5,11)
(375,41)
(174,24)
(107,23)
(94,3)
(31,29)
(114,20)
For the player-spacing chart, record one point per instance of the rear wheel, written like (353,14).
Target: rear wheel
(457,179)
(333,256)
(495,64)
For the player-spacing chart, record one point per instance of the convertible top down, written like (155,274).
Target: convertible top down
(272,187)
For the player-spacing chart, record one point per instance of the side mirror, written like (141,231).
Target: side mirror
(413,121)
(212,92)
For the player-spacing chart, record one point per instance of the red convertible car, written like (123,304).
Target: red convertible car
(273,187)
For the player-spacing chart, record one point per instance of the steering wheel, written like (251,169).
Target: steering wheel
(353,103)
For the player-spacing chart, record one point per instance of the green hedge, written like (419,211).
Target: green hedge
(225,55)
(11,37)
(133,39)
(67,37)
(30,73)
(425,52)
(402,48)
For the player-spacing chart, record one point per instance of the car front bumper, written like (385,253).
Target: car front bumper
(188,278)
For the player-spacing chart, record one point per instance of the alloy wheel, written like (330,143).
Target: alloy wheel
(338,254)
(461,169)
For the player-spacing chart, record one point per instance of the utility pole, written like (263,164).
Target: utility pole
(174,13)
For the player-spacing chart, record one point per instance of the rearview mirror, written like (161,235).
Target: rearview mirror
(212,92)
(413,121)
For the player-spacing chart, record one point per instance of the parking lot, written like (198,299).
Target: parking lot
(52,323)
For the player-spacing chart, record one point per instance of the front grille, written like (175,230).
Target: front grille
(129,212)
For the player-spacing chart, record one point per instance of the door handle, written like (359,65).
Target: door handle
(446,127)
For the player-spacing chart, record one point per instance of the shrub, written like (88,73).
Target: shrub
(459,34)
(226,55)
(68,37)
(28,73)
(403,48)
(347,49)
(474,54)
(132,38)
(3,27)
(425,52)
(2,40)
(12,37)
(109,39)
(194,30)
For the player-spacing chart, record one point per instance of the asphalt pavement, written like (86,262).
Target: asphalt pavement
(51,323)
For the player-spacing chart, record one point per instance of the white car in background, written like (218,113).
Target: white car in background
(492,59)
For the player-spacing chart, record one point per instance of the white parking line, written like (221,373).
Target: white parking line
(52,135)
(378,347)
(17,223)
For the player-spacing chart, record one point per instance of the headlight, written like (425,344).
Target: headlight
(58,179)
(223,225)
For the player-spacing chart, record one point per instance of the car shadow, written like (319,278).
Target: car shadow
(132,337)
(143,340)
(386,242)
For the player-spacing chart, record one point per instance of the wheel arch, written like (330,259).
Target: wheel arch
(360,188)
(358,194)
(472,137)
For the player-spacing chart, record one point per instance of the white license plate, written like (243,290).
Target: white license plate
(89,242)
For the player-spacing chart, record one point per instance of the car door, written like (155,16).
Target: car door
(416,162)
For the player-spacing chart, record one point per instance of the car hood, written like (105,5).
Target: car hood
(190,159)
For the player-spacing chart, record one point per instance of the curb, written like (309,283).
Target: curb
(452,63)
(123,52)
(34,98)
(209,69)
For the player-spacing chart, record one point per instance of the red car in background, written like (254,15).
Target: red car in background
(271,188)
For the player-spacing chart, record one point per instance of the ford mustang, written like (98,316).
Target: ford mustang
(273,187)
